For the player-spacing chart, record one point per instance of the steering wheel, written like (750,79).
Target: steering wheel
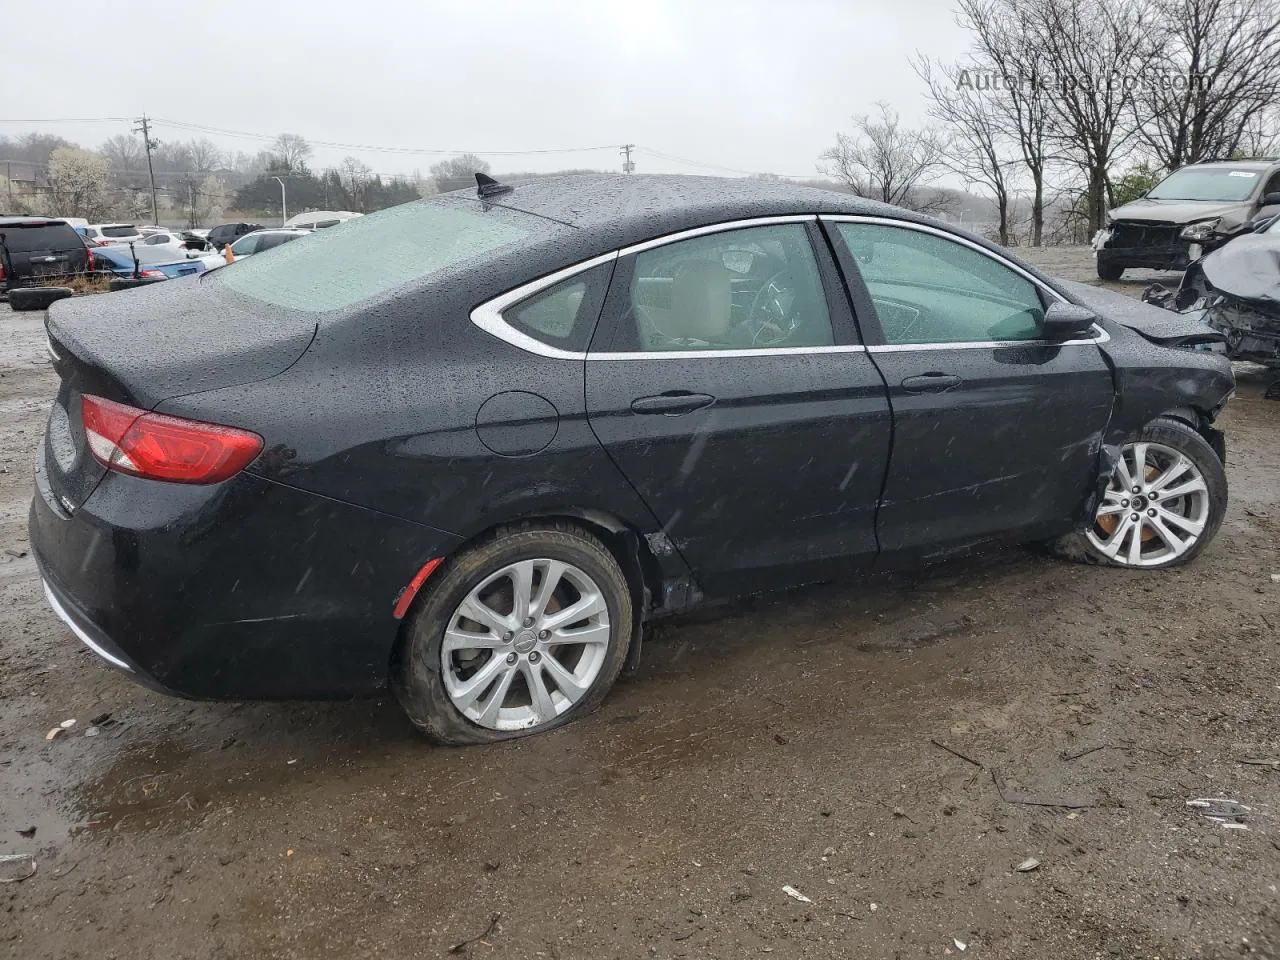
(769,320)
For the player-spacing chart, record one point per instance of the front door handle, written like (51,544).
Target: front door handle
(931,383)
(673,403)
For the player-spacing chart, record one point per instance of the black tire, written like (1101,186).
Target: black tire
(416,672)
(1109,271)
(1184,439)
(37,298)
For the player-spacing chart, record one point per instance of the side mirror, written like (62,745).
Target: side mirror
(1062,321)
(1270,200)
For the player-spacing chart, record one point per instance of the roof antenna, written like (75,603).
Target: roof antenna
(486,186)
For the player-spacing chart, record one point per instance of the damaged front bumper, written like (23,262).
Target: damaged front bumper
(1252,332)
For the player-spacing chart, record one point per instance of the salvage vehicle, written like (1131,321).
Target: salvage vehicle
(467,446)
(1191,212)
(1236,290)
(37,250)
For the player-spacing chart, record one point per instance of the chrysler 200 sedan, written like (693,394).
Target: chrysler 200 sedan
(467,446)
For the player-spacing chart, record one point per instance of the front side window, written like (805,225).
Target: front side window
(244,246)
(756,288)
(929,289)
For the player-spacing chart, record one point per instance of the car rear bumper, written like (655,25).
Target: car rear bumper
(248,589)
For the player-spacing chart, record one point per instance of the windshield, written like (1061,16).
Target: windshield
(371,255)
(1206,183)
(123,230)
(41,236)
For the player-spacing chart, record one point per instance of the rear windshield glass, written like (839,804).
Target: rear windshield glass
(57,236)
(121,231)
(371,255)
(1207,183)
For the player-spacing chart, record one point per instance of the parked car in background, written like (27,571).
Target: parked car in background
(635,393)
(321,219)
(38,249)
(225,233)
(1191,212)
(154,261)
(177,240)
(103,234)
(259,241)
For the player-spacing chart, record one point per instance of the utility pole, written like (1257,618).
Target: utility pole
(628,166)
(8,179)
(145,128)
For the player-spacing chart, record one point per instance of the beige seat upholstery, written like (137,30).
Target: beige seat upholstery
(701,302)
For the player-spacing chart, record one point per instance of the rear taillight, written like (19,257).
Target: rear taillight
(90,264)
(152,274)
(159,447)
(1,268)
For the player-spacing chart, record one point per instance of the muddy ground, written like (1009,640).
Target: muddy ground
(802,739)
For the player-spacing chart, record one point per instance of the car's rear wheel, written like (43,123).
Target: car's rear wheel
(518,635)
(1164,502)
(1109,271)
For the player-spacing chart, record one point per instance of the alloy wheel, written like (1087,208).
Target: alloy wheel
(1154,509)
(525,645)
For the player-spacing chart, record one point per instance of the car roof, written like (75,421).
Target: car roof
(621,209)
(40,221)
(1259,164)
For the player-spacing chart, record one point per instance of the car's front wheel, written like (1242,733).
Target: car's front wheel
(1164,502)
(518,635)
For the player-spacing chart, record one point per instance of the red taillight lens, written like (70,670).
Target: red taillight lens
(160,447)
(90,265)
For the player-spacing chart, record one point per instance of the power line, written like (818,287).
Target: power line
(73,120)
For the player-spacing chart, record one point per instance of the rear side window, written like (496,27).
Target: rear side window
(45,236)
(372,255)
(120,231)
(565,315)
(274,240)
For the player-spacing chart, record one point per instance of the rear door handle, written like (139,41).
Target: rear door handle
(673,403)
(931,383)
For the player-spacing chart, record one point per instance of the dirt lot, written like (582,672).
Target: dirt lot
(795,740)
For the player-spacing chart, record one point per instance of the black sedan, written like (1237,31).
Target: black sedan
(466,447)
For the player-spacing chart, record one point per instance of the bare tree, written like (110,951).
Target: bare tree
(1005,45)
(979,149)
(354,177)
(290,153)
(457,172)
(1090,49)
(882,160)
(124,152)
(1261,135)
(1216,66)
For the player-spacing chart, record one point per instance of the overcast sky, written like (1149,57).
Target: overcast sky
(756,85)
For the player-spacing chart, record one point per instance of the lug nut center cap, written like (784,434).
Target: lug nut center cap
(1139,502)
(525,641)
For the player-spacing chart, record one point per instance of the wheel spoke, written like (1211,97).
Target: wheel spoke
(550,580)
(465,694)
(565,680)
(1192,527)
(1109,508)
(1112,545)
(1171,539)
(489,712)
(1139,475)
(588,606)
(521,589)
(590,634)
(1135,543)
(456,640)
(1122,474)
(473,608)
(1194,485)
(1176,469)
(543,705)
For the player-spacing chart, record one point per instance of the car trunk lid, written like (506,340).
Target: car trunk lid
(142,347)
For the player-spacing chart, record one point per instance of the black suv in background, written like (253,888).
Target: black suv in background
(36,248)
(226,233)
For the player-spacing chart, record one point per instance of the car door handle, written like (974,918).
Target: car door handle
(931,383)
(673,403)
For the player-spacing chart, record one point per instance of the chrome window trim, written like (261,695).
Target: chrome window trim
(488,315)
